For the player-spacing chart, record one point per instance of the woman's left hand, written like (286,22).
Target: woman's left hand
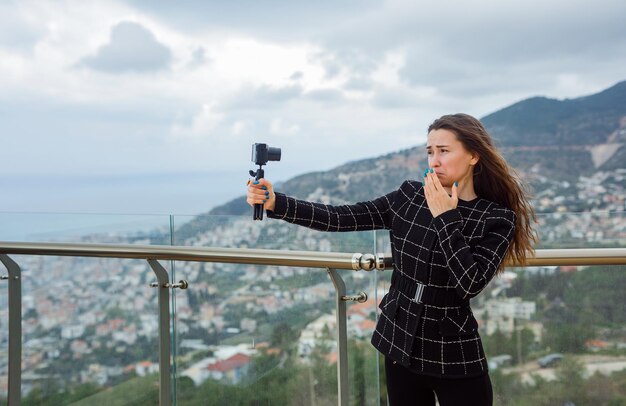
(437,198)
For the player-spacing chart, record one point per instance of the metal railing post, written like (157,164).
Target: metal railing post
(165,382)
(342,338)
(15,330)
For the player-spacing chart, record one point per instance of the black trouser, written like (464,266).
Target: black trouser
(406,388)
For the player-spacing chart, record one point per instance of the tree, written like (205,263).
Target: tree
(283,336)
(357,359)
(603,391)
(506,387)
(567,337)
(569,375)
(324,373)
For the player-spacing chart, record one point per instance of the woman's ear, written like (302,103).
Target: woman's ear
(474,160)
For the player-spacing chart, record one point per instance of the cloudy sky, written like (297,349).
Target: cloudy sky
(144,106)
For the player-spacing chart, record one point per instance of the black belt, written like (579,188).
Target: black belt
(426,294)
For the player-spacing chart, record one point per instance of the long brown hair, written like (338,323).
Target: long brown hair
(495,181)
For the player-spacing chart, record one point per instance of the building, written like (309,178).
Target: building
(231,370)
(501,314)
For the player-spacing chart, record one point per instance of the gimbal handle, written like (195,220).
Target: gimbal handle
(258,208)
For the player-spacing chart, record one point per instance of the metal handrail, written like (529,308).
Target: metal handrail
(578,256)
(152,253)
(311,259)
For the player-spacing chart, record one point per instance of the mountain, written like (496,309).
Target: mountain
(558,139)
(539,121)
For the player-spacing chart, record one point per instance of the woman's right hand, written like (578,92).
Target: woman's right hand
(261,192)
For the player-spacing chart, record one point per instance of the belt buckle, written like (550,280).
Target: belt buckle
(419,292)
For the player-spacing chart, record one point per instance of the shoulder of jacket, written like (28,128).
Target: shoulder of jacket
(494,211)
(411,185)
(411,189)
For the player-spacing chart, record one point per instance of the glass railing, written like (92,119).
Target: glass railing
(88,324)
(118,291)
(267,333)
(555,335)
(263,334)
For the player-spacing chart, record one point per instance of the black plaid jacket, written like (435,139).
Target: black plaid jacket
(454,255)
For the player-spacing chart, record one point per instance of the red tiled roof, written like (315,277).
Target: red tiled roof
(367,324)
(596,343)
(361,308)
(236,361)
(331,357)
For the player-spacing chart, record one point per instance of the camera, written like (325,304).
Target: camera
(262,153)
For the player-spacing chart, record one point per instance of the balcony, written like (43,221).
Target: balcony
(272,315)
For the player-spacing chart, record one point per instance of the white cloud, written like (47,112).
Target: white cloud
(387,72)
(198,57)
(131,48)
(247,60)
(19,28)
(239,127)
(572,85)
(279,127)
(202,124)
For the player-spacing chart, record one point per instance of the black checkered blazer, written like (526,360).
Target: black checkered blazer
(439,263)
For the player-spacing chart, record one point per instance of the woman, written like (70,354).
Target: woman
(450,235)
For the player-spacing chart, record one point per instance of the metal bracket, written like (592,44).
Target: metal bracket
(165,353)
(4,277)
(360,297)
(15,329)
(343,385)
(182,284)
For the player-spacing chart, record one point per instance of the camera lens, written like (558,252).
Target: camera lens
(273,154)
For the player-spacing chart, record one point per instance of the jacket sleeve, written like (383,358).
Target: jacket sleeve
(473,267)
(368,215)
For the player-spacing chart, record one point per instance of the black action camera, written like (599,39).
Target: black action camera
(261,155)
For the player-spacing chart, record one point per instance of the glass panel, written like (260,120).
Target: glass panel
(262,334)
(244,335)
(555,335)
(89,324)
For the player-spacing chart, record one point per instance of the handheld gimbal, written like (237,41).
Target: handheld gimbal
(261,154)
